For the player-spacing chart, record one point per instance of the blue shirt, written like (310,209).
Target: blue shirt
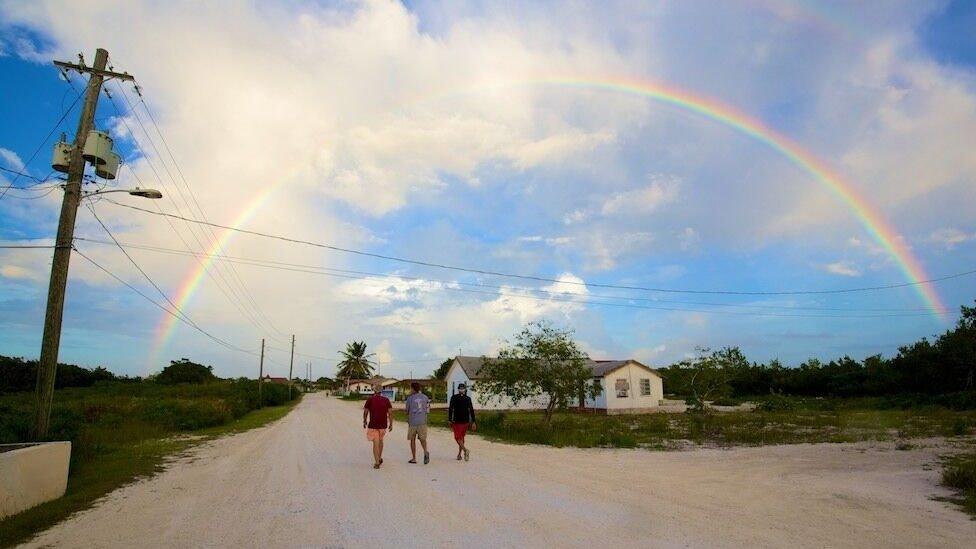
(417,407)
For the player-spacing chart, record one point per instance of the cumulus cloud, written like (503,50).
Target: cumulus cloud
(11,159)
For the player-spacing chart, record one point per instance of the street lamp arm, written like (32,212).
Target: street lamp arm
(144,193)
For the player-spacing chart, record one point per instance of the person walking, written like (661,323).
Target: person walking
(418,406)
(377,420)
(460,416)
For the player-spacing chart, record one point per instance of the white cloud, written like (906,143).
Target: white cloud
(688,238)
(660,191)
(842,268)
(11,159)
(950,238)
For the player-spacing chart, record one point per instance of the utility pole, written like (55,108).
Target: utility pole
(291,364)
(51,340)
(261,376)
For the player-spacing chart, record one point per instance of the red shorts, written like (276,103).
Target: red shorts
(459,430)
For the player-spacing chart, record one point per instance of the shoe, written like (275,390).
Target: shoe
(426,458)
(412,461)
(459,457)
(467,455)
(376,466)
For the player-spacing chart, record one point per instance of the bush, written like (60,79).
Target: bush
(185,371)
(776,403)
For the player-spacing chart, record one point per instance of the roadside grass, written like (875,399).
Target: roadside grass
(742,428)
(959,473)
(121,432)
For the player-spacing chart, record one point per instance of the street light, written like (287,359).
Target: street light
(144,193)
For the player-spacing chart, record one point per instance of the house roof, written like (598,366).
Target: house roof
(472,366)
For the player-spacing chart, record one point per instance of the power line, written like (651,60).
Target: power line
(273,264)
(234,275)
(138,268)
(157,304)
(540,278)
(566,298)
(44,141)
(5,247)
(218,277)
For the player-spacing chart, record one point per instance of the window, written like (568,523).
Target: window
(598,386)
(645,387)
(623,388)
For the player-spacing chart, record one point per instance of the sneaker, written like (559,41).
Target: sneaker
(467,454)
(426,458)
(459,457)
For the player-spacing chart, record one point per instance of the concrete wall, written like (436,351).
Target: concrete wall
(32,474)
(456,376)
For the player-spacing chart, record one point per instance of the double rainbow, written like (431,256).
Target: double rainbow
(869,217)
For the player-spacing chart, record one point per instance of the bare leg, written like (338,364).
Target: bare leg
(377,451)
(413,447)
(423,443)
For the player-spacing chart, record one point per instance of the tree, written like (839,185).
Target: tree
(185,371)
(543,362)
(441,371)
(356,363)
(710,375)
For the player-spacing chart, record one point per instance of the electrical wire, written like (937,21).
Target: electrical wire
(44,141)
(161,306)
(219,278)
(545,279)
(272,264)
(233,274)
(567,298)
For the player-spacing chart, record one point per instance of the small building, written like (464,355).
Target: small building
(625,386)
(365,386)
(277,380)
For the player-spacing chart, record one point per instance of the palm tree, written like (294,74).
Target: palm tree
(355,362)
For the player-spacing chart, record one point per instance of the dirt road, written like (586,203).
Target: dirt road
(307,481)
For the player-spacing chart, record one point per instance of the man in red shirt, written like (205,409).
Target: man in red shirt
(377,420)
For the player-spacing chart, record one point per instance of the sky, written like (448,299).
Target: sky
(754,150)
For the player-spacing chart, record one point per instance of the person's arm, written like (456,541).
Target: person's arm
(471,411)
(450,410)
(389,415)
(365,416)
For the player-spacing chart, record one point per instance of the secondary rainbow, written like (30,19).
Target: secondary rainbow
(868,216)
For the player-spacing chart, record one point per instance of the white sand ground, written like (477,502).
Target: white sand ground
(307,481)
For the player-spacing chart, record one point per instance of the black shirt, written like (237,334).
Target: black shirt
(461,409)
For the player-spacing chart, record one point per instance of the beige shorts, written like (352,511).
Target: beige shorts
(417,431)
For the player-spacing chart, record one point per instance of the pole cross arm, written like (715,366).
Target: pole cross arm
(92,70)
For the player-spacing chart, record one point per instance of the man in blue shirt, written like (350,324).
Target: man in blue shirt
(418,406)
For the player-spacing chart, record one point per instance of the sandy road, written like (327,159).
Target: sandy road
(307,481)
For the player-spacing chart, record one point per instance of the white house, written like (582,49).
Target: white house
(626,386)
(365,386)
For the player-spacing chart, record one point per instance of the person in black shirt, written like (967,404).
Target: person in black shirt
(460,415)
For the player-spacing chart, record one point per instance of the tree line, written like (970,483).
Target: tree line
(945,365)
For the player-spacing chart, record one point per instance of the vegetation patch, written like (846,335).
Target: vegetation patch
(740,428)
(121,431)
(959,473)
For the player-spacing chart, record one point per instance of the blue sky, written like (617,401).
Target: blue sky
(410,130)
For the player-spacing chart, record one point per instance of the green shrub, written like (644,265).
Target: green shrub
(776,403)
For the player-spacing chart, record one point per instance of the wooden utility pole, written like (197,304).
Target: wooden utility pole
(51,340)
(261,376)
(291,365)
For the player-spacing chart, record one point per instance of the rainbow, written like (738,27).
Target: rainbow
(188,287)
(869,217)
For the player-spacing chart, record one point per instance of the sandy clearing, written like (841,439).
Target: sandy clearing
(307,481)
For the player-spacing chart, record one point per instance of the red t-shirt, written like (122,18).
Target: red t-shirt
(377,406)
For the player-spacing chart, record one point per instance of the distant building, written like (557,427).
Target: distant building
(278,380)
(625,386)
(365,386)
